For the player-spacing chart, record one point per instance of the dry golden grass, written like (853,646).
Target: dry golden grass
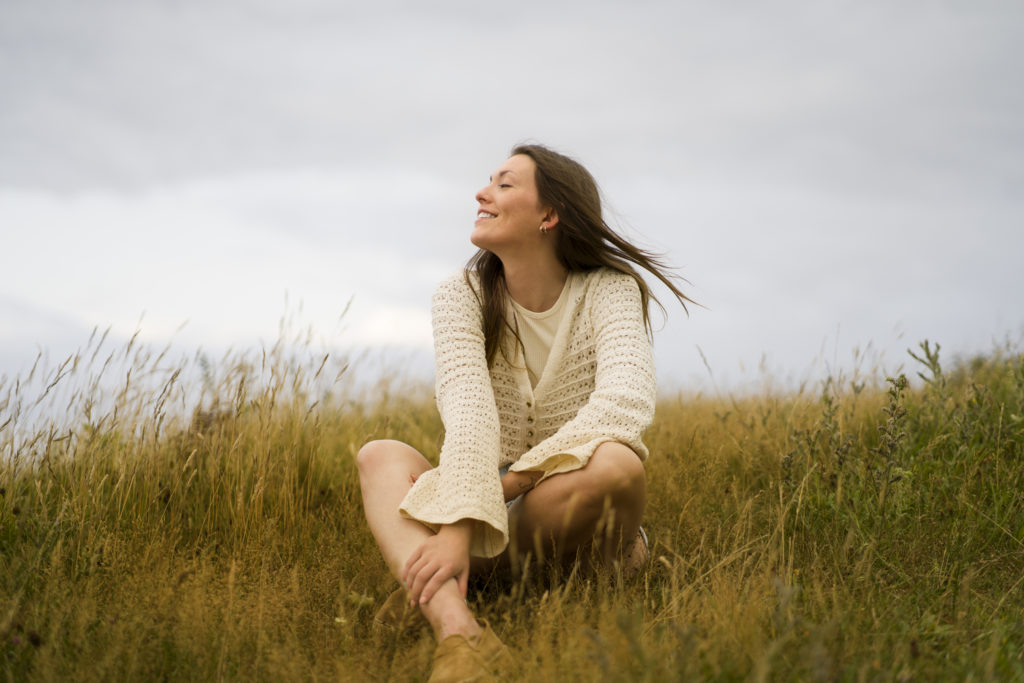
(859,533)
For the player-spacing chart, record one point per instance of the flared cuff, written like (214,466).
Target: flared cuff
(428,505)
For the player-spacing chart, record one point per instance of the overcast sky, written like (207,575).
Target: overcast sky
(827,175)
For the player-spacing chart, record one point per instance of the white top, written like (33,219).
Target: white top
(598,385)
(537,332)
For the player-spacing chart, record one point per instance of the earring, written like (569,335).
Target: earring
(544,229)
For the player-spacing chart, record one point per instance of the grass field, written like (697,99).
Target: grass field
(862,529)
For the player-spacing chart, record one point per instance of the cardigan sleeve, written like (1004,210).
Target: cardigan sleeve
(622,403)
(466,483)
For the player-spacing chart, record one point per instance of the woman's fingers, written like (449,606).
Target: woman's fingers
(421,575)
(438,579)
(407,570)
(438,559)
(425,580)
(431,587)
(416,578)
(411,578)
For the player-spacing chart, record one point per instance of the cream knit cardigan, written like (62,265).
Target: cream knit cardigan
(598,385)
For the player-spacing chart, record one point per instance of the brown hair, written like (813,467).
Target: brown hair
(584,242)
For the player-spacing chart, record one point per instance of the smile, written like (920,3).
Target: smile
(484,214)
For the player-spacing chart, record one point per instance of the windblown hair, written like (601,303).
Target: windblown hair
(584,242)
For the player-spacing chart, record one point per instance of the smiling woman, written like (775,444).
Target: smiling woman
(511,216)
(545,384)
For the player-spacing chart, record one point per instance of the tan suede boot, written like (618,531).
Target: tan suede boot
(458,659)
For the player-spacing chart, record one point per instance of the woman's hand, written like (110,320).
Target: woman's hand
(443,556)
(515,484)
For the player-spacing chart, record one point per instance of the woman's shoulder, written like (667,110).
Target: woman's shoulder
(602,281)
(459,282)
(457,291)
(609,294)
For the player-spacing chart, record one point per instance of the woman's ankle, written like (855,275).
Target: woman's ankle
(449,614)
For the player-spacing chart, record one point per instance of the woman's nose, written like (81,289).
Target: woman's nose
(481,195)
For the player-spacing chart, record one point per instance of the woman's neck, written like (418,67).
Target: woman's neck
(537,285)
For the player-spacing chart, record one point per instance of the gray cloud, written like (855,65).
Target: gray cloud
(835,165)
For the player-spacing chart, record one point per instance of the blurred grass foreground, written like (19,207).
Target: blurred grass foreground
(202,521)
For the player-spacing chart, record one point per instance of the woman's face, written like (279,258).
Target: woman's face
(510,214)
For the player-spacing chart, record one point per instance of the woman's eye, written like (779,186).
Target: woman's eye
(504,185)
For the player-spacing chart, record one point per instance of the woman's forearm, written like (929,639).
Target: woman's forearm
(515,484)
(460,531)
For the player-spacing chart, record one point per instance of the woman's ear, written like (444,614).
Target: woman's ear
(550,219)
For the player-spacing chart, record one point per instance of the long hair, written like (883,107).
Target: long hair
(584,243)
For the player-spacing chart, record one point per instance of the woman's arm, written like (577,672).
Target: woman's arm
(515,484)
(465,483)
(460,498)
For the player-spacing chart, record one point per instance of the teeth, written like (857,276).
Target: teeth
(484,214)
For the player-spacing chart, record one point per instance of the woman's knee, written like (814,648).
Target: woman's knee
(618,471)
(382,453)
(369,455)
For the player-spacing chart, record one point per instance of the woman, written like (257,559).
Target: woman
(545,384)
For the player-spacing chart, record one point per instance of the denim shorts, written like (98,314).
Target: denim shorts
(502,471)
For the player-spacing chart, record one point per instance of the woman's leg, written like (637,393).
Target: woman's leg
(387,469)
(598,506)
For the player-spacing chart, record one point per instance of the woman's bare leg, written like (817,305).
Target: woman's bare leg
(387,470)
(600,504)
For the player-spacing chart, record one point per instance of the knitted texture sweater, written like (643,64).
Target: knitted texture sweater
(598,385)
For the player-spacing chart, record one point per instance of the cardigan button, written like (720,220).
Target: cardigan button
(529,433)
(529,419)
(529,445)
(529,404)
